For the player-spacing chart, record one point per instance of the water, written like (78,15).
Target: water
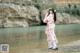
(33,39)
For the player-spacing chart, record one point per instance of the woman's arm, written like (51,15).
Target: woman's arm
(45,19)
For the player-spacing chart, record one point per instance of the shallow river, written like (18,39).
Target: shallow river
(33,39)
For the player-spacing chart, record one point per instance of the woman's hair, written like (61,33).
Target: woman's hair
(53,13)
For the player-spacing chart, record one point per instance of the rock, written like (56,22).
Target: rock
(24,13)
(68,19)
(12,15)
(16,23)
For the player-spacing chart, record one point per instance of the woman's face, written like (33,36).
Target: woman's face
(51,12)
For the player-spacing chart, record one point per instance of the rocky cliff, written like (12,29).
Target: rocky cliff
(24,13)
(12,15)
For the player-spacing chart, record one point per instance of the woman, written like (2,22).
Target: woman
(50,19)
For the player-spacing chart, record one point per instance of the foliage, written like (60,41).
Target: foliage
(73,9)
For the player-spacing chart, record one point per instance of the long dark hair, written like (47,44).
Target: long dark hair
(53,13)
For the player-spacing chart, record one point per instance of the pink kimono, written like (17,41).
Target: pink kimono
(51,37)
